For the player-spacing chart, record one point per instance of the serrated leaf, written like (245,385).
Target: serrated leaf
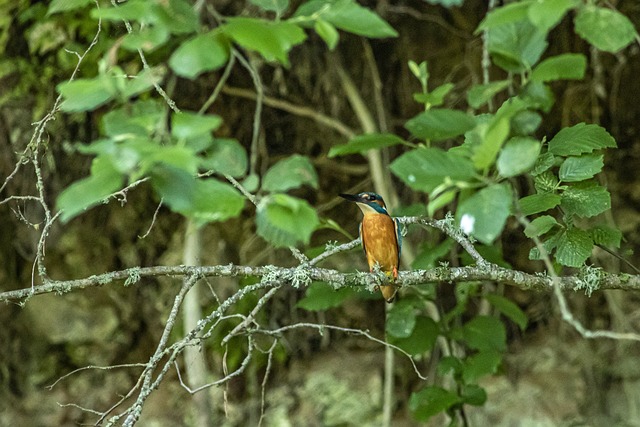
(605,236)
(485,333)
(425,168)
(431,401)
(422,338)
(214,201)
(546,182)
(67,5)
(187,124)
(574,247)
(283,220)
(347,15)
(204,52)
(580,168)
(225,156)
(133,10)
(327,32)
(148,38)
(543,163)
(507,14)
(484,214)
(321,296)
(88,192)
(273,40)
(517,156)
(176,186)
(480,94)
(85,94)
(585,200)
(290,172)
(545,14)
(401,320)
(606,29)
(438,124)
(363,143)
(537,203)
(516,47)
(568,66)
(481,364)
(508,309)
(540,225)
(495,133)
(580,139)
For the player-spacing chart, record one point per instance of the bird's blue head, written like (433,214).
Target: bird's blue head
(367,202)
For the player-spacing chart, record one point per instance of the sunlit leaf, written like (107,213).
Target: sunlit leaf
(580,168)
(363,143)
(518,156)
(574,247)
(580,139)
(605,28)
(204,52)
(484,214)
(568,66)
(283,220)
(437,124)
(536,203)
(540,226)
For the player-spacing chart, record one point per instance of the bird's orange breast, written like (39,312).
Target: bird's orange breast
(379,239)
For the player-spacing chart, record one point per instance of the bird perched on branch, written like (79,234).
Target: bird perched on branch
(381,238)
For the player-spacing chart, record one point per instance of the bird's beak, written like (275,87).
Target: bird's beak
(350,197)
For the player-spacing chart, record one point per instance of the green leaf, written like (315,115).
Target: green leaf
(495,133)
(327,32)
(85,94)
(580,139)
(509,309)
(480,94)
(148,38)
(283,220)
(226,156)
(272,40)
(177,16)
(67,5)
(363,143)
(507,14)
(580,168)
(517,46)
(422,338)
(536,203)
(140,118)
(585,199)
(484,214)
(428,255)
(606,29)
(525,122)
(473,394)
(438,124)
(347,15)
(481,364)
(321,296)
(277,6)
(545,14)
(88,192)
(574,247)
(546,182)
(568,66)
(187,124)
(204,52)
(141,83)
(133,10)
(431,401)
(605,236)
(518,156)
(434,98)
(290,172)
(543,163)
(485,333)
(214,201)
(176,186)
(540,226)
(401,320)
(425,168)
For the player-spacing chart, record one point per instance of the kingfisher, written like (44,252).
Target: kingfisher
(381,238)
